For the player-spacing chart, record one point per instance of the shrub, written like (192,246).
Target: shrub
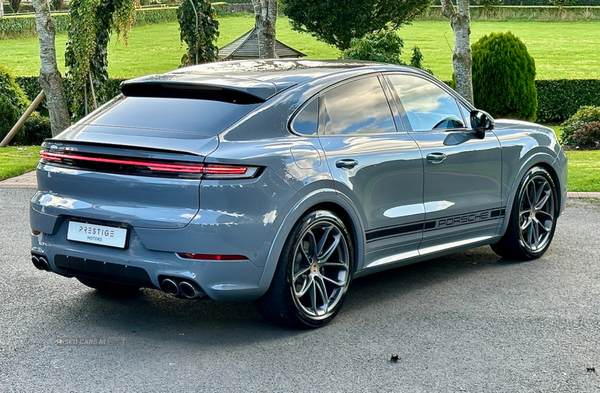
(383,46)
(573,135)
(8,116)
(416,60)
(34,131)
(504,77)
(13,102)
(588,135)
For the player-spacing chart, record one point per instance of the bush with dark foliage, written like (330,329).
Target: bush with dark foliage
(13,102)
(583,128)
(34,131)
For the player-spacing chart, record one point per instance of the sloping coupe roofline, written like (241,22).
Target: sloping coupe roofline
(243,81)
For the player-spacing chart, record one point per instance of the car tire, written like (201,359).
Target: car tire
(532,218)
(313,273)
(108,287)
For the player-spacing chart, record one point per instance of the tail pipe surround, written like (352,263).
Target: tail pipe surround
(181,288)
(40,262)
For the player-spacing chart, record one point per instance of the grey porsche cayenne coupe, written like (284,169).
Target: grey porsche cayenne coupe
(281,181)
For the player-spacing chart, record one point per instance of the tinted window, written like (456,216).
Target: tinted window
(427,106)
(358,107)
(307,119)
(176,114)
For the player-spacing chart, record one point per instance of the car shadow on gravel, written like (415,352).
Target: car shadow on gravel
(154,315)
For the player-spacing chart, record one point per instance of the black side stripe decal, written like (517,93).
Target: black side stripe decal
(440,223)
(394,231)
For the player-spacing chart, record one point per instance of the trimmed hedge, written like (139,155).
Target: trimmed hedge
(23,26)
(558,100)
(578,3)
(518,13)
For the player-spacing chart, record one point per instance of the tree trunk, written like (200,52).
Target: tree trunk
(462,60)
(50,77)
(265,12)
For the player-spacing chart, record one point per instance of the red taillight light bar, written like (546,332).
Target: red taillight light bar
(211,257)
(209,171)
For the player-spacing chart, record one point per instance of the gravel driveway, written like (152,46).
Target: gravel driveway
(469,322)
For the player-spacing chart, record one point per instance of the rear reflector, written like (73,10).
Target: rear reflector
(212,257)
(148,168)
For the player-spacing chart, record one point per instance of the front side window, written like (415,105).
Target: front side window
(357,107)
(427,106)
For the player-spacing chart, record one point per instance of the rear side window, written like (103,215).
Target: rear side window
(307,120)
(203,117)
(357,107)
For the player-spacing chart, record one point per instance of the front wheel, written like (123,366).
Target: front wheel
(532,219)
(313,274)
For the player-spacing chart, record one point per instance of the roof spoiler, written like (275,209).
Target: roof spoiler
(177,89)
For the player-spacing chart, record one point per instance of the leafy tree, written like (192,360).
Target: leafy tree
(200,38)
(91,23)
(337,23)
(384,46)
(504,77)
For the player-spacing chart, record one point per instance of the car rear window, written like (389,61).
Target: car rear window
(203,117)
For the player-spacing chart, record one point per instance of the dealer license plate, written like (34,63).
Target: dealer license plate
(97,234)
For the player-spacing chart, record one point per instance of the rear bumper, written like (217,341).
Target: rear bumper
(235,219)
(136,265)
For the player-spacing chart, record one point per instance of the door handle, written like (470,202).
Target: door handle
(346,163)
(436,158)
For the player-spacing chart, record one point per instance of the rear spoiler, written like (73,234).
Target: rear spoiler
(216,88)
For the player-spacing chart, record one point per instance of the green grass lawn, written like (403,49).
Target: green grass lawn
(584,166)
(560,49)
(15,161)
(584,170)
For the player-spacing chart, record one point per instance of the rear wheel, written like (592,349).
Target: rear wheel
(533,218)
(108,287)
(313,274)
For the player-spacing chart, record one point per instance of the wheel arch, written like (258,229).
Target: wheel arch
(326,199)
(541,159)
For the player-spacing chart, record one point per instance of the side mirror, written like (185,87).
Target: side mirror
(481,122)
